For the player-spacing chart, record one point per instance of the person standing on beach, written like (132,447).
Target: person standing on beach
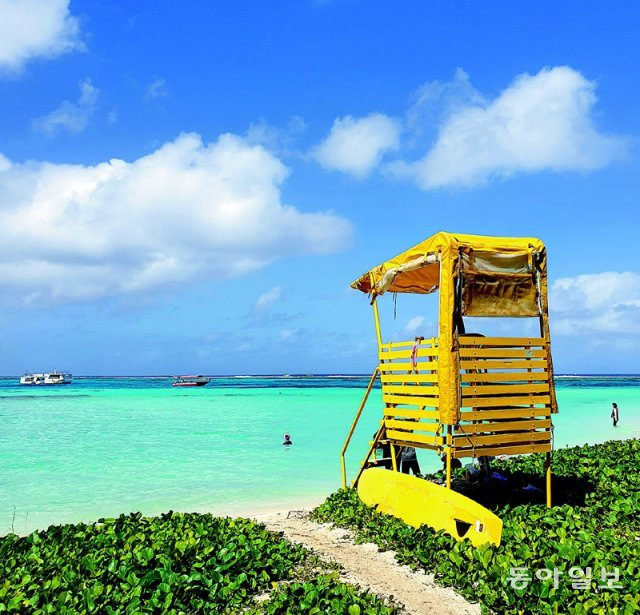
(614,414)
(409,460)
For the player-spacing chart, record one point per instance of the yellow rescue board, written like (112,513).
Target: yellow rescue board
(420,502)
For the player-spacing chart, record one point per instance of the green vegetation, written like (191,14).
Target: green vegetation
(325,594)
(176,563)
(598,527)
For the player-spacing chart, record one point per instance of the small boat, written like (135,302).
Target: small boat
(190,381)
(54,377)
(31,378)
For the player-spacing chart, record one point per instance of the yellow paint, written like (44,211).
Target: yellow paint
(353,426)
(502,341)
(504,389)
(414,389)
(507,426)
(410,414)
(468,364)
(499,353)
(411,425)
(498,402)
(414,438)
(412,378)
(419,502)
(479,415)
(503,377)
(410,400)
(387,355)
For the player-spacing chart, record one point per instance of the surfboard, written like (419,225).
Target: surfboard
(420,502)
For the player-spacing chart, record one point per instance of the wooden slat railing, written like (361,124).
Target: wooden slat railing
(505,393)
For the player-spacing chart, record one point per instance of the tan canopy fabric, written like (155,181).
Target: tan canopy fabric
(497,272)
(417,270)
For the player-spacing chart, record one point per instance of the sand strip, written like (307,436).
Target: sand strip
(366,566)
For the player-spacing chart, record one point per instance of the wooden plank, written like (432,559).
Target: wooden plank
(503,438)
(409,378)
(406,367)
(505,377)
(412,426)
(475,364)
(472,390)
(410,389)
(406,354)
(423,344)
(504,426)
(502,353)
(411,400)
(501,341)
(488,415)
(421,445)
(503,402)
(493,451)
(411,414)
(402,436)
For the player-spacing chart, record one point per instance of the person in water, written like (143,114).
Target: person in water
(614,414)
(287,440)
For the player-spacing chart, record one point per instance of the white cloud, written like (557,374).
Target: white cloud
(157,88)
(540,122)
(434,102)
(69,116)
(35,28)
(266,300)
(414,325)
(356,145)
(287,334)
(275,139)
(186,211)
(596,303)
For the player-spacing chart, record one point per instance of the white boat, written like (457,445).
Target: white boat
(54,377)
(190,381)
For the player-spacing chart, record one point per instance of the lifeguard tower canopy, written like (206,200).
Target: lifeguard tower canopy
(463,394)
(499,272)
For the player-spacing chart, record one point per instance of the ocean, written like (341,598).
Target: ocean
(103,446)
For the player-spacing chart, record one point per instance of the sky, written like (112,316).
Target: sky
(191,187)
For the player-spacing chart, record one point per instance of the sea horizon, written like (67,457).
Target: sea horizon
(297,375)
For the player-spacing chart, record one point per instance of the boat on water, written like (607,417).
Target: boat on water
(190,381)
(54,377)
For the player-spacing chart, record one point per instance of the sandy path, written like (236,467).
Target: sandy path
(364,565)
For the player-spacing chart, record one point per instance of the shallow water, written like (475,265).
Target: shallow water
(103,446)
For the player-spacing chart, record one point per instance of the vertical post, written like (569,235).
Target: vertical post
(376,319)
(449,457)
(394,462)
(544,324)
(548,472)
(448,370)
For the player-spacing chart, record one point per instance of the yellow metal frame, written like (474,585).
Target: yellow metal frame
(463,391)
(353,426)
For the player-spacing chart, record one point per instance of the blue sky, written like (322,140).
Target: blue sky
(191,187)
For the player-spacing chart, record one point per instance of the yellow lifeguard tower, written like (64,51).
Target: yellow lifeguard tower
(460,394)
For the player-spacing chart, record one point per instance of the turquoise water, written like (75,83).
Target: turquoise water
(100,447)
